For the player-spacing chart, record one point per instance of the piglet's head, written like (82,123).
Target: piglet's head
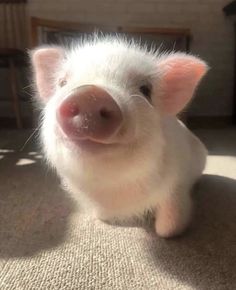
(85,112)
(112,93)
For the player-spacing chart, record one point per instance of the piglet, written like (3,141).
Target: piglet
(109,128)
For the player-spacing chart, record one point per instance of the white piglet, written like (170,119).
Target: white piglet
(109,127)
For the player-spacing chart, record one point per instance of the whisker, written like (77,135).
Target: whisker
(29,94)
(27,87)
(29,138)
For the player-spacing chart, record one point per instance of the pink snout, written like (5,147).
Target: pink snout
(89,113)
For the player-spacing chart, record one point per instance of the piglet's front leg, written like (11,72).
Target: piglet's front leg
(173,215)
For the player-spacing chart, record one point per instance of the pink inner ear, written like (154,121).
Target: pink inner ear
(181,75)
(46,62)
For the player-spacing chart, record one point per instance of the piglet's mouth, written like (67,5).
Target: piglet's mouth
(88,145)
(92,145)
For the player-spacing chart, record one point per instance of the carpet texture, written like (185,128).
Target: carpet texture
(46,243)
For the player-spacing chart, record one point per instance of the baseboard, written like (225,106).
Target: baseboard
(209,122)
(203,122)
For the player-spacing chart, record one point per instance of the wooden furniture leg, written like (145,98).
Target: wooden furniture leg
(15,97)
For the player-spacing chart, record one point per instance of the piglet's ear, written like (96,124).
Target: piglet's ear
(180,75)
(46,62)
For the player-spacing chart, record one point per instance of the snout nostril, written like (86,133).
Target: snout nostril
(74,111)
(69,110)
(105,114)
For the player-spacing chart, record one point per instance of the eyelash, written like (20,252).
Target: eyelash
(62,82)
(146,91)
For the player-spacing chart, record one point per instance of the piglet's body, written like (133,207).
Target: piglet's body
(110,128)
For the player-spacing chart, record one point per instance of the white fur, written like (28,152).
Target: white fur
(157,158)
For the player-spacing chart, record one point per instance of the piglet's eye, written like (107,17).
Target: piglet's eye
(62,82)
(146,91)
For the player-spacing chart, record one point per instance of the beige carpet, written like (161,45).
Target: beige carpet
(46,243)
